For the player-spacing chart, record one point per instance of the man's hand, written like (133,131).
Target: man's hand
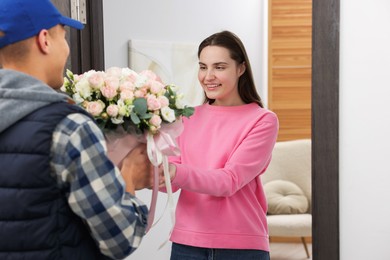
(137,170)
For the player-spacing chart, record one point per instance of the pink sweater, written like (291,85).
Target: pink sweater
(223,152)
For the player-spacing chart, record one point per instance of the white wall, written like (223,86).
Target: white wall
(365,129)
(186,21)
(364,99)
(182,21)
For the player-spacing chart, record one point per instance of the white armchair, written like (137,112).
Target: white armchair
(287,185)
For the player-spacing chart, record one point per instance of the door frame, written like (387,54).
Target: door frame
(87,51)
(325,129)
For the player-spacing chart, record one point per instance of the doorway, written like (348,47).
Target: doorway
(325,128)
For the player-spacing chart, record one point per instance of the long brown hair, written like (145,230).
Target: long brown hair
(246,85)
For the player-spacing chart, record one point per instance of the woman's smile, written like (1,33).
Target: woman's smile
(212,86)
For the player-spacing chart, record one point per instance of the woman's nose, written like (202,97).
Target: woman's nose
(210,74)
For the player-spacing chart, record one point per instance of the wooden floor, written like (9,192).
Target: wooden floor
(289,251)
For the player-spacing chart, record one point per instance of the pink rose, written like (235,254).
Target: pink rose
(155,121)
(153,103)
(112,110)
(112,82)
(126,94)
(96,80)
(95,108)
(110,89)
(108,92)
(156,87)
(79,77)
(126,85)
(164,101)
(140,93)
(131,78)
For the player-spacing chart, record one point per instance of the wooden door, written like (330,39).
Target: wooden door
(87,45)
(290,32)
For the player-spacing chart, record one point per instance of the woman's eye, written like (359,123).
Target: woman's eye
(220,68)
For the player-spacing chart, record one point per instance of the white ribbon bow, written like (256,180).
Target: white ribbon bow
(159,147)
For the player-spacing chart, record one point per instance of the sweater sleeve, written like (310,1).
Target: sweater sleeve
(249,159)
(175,160)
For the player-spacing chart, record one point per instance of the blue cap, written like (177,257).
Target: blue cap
(22,19)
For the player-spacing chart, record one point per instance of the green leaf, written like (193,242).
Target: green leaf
(147,116)
(135,119)
(188,111)
(140,106)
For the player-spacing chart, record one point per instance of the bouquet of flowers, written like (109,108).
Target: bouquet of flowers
(132,107)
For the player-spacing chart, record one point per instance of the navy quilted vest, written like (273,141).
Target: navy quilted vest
(35,219)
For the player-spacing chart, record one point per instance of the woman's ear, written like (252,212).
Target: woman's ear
(43,41)
(242,68)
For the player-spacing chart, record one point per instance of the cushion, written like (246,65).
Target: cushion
(291,225)
(285,197)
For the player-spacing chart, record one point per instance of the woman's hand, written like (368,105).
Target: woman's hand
(172,174)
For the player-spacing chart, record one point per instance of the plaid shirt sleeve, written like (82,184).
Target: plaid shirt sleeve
(117,219)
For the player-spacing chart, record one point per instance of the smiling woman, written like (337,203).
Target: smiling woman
(218,76)
(219,164)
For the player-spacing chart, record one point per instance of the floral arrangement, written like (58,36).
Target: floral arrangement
(138,102)
(128,105)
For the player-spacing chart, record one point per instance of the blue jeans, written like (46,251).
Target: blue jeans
(183,252)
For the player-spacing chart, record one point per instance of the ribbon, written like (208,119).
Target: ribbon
(159,147)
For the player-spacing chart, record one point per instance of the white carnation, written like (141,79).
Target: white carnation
(168,114)
(122,108)
(179,103)
(117,120)
(83,88)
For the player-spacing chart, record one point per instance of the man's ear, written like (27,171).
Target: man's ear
(43,41)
